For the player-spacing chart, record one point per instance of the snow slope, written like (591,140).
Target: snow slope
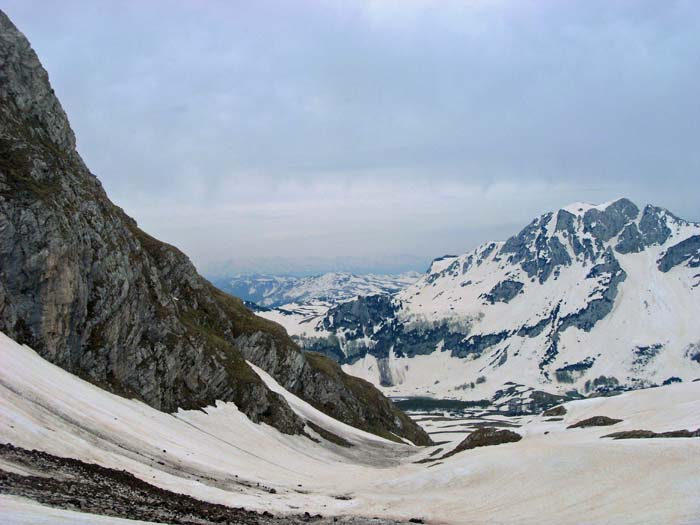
(22,511)
(218,455)
(589,298)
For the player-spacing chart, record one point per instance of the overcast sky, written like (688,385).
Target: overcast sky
(256,129)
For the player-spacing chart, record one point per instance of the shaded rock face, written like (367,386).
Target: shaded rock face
(321,381)
(504,291)
(606,224)
(375,317)
(87,289)
(549,252)
(630,240)
(611,275)
(685,252)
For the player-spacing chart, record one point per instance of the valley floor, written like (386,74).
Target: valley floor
(553,475)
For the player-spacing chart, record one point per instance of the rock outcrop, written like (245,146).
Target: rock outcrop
(94,294)
(595,421)
(559,410)
(649,434)
(484,437)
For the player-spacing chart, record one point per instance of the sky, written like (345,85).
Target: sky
(372,129)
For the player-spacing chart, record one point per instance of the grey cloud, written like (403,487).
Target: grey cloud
(355,128)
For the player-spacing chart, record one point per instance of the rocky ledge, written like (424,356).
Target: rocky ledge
(647,434)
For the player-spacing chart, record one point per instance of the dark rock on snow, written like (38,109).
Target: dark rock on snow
(556,411)
(484,437)
(595,421)
(646,434)
(687,251)
(504,291)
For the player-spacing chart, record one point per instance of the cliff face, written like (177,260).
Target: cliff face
(92,293)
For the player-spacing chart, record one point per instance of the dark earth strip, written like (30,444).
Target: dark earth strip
(85,487)
(647,434)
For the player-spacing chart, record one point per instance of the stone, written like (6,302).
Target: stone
(595,421)
(556,411)
(484,437)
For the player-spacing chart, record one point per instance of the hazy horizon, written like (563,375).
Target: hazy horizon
(292,130)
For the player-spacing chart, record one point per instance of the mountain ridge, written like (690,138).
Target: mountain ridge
(534,298)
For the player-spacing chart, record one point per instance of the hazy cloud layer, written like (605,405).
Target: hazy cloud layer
(248,129)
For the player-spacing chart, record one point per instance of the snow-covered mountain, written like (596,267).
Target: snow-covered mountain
(300,303)
(332,287)
(585,299)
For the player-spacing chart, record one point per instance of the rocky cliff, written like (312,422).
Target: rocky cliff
(92,293)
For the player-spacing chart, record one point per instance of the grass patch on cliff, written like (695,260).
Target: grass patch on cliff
(16,165)
(216,319)
(368,395)
(328,435)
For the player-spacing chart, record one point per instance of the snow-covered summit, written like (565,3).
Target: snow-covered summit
(586,298)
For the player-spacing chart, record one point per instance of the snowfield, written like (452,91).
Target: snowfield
(554,475)
(21,511)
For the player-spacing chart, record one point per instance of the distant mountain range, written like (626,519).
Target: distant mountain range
(329,288)
(585,299)
(309,266)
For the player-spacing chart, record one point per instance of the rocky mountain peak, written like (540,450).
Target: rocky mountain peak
(536,309)
(91,292)
(25,84)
